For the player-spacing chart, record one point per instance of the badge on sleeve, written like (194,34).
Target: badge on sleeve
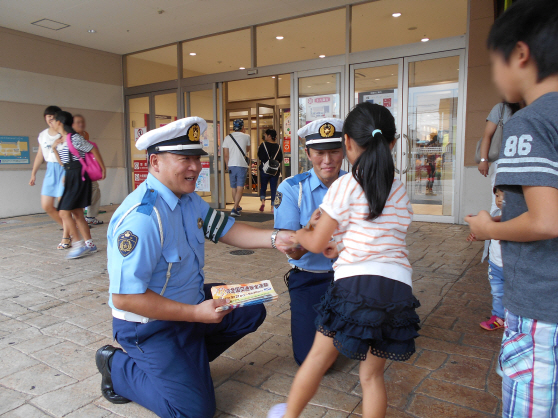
(127,241)
(200,223)
(278,199)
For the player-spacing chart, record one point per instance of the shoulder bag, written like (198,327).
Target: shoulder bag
(246,159)
(495,143)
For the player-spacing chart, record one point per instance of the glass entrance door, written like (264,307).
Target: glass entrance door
(423,94)
(201,101)
(265,119)
(318,94)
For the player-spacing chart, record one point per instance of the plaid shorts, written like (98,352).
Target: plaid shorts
(529,362)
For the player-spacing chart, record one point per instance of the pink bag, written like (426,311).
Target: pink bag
(89,164)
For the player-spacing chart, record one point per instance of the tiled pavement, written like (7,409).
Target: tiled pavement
(53,316)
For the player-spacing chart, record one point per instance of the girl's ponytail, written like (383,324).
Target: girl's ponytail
(372,127)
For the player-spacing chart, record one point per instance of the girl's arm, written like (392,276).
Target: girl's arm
(36,164)
(317,241)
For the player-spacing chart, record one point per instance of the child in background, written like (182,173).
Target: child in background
(53,186)
(522,44)
(93,209)
(493,250)
(369,312)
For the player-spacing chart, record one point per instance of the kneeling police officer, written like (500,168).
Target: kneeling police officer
(163,315)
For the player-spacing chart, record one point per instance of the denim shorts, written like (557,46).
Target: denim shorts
(237,176)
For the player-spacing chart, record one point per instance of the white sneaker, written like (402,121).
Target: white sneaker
(277,411)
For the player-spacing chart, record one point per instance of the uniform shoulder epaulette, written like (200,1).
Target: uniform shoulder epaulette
(148,201)
(294,180)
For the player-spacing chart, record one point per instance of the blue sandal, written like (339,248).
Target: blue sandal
(65,246)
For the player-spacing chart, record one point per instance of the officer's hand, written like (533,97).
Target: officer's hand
(314,218)
(331,250)
(205,311)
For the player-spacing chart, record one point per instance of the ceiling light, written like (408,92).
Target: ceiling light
(280,78)
(377,79)
(192,53)
(253,121)
(92,31)
(309,86)
(242,68)
(322,56)
(396,14)
(279,37)
(261,116)
(424,39)
(272,76)
(328,82)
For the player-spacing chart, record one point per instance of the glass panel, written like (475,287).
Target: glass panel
(165,109)
(251,183)
(285,138)
(201,105)
(252,89)
(151,66)
(302,38)
(284,85)
(379,85)
(216,54)
(318,97)
(138,109)
(432,133)
(373,26)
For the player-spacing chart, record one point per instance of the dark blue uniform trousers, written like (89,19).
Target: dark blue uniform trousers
(166,364)
(306,290)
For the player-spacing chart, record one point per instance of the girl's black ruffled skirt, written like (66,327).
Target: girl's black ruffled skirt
(370,314)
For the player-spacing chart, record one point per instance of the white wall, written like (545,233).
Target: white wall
(18,198)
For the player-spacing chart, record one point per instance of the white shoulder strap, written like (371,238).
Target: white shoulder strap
(299,194)
(160,225)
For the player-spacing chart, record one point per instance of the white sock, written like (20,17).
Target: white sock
(89,243)
(78,244)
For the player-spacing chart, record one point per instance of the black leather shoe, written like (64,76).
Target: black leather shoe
(102,357)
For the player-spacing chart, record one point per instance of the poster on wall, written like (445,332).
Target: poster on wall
(14,149)
(382,97)
(318,107)
(203,183)
(139,132)
(140,172)
(287,126)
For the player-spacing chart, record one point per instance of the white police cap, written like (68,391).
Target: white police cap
(179,137)
(323,133)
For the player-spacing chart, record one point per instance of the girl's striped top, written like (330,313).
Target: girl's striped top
(369,247)
(80,144)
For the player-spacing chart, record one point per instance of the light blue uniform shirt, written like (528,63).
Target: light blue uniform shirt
(136,259)
(289,215)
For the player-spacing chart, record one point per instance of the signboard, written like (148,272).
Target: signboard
(385,98)
(14,149)
(287,127)
(318,107)
(286,161)
(203,182)
(140,172)
(139,132)
(287,145)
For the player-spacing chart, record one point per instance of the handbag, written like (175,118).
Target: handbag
(271,166)
(89,163)
(246,159)
(495,143)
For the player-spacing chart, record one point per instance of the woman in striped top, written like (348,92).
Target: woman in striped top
(370,307)
(77,191)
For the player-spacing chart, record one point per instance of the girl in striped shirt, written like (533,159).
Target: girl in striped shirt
(369,311)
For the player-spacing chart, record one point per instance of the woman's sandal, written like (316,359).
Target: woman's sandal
(65,246)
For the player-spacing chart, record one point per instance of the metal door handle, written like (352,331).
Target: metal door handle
(408,153)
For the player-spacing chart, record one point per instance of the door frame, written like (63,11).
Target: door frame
(402,121)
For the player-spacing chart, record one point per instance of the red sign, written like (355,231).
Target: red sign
(286,145)
(322,99)
(139,172)
(140,165)
(205,164)
(139,178)
(387,102)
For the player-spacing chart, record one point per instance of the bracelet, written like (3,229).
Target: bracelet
(273,238)
(484,160)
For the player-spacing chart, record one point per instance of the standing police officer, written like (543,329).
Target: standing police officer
(164,316)
(297,199)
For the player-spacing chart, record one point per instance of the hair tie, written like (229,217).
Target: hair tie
(375,131)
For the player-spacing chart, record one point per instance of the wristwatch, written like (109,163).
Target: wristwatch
(484,160)
(273,238)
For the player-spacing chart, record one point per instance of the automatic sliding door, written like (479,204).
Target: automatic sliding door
(202,103)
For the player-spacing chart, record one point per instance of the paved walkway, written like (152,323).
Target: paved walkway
(54,315)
